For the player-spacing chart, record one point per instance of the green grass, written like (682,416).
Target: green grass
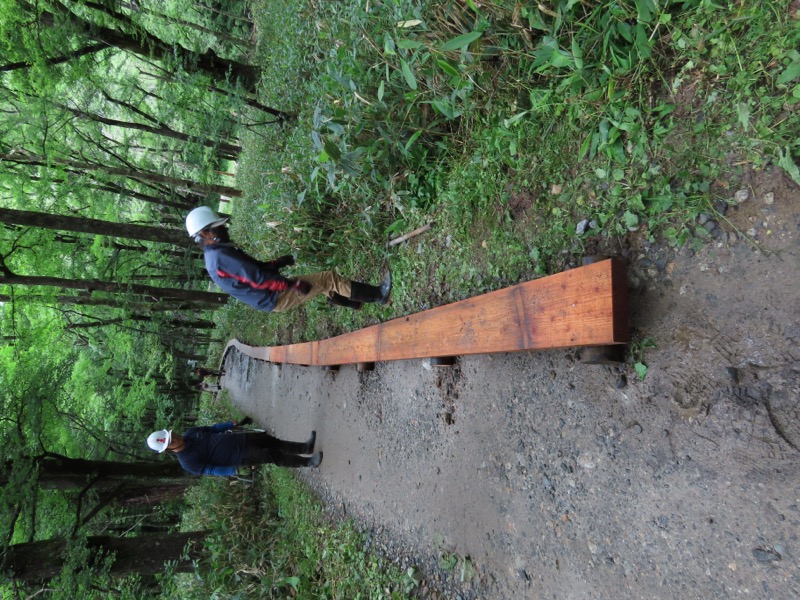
(271,538)
(504,125)
(504,128)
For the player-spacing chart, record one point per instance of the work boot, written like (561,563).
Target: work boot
(339,300)
(362,292)
(298,462)
(306,447)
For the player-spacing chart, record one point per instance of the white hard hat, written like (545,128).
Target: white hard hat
(159,440)
(202,217)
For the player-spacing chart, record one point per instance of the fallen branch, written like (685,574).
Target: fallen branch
(409,235)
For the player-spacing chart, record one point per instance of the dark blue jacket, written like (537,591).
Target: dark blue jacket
(211,451)
(252,281)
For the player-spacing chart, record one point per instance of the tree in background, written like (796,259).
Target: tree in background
(117,119)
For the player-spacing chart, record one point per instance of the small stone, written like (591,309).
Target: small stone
(769,198)
(741,196)
(580,229)
(752,232)
(762,555)
(592,224)
(710,226)
(593,547)
(721,207)
(622,381)
(556,189)
(703,218)
(732,237)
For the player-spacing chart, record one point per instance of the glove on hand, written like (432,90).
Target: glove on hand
(245,421)
(302,287)
(286,260)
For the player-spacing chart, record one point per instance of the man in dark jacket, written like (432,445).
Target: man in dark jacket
(204,372)
(218,450)
(260,284)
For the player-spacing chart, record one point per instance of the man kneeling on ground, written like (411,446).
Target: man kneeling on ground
(218,450)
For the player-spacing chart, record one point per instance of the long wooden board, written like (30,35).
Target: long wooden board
(586,306)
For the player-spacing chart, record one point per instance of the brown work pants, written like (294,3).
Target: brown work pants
(326,282)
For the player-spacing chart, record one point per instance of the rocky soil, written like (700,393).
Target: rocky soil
(533,475)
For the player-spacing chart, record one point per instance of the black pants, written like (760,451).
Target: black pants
(262,448)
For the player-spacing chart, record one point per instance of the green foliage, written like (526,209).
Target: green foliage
(636,353)
(271,539)
(502,124)
(114,135)
(506,126)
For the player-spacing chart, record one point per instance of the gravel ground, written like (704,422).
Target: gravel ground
(532,475)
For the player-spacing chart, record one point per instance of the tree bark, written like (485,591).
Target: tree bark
(61,472)
(145,555)
(56,60)
(95,226)
(146,44)
(153,493)
(192,186)
(156,293)
(174,323)
(88,300)
(224,150)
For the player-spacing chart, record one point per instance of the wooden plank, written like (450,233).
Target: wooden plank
(587,306)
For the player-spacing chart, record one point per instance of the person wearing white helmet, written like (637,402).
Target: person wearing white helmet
(216,450)
(260,284)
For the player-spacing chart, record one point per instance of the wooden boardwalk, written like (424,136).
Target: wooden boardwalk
(586,306)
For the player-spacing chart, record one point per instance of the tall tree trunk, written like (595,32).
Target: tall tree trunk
(224,150)
(64,473)
(145,555)
(157,294)
(23,158)
(116,302)
(107,186)
(56,60)
(174,323)
(146,44)
(197,27)
(149,493)
(95,226)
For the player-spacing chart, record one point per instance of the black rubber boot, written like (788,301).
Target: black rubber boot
(362,292)
(298,462)
(339,300)
(306,447)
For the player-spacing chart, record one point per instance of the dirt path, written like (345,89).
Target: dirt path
(561,480)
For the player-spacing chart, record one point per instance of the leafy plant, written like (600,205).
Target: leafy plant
(637,351)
